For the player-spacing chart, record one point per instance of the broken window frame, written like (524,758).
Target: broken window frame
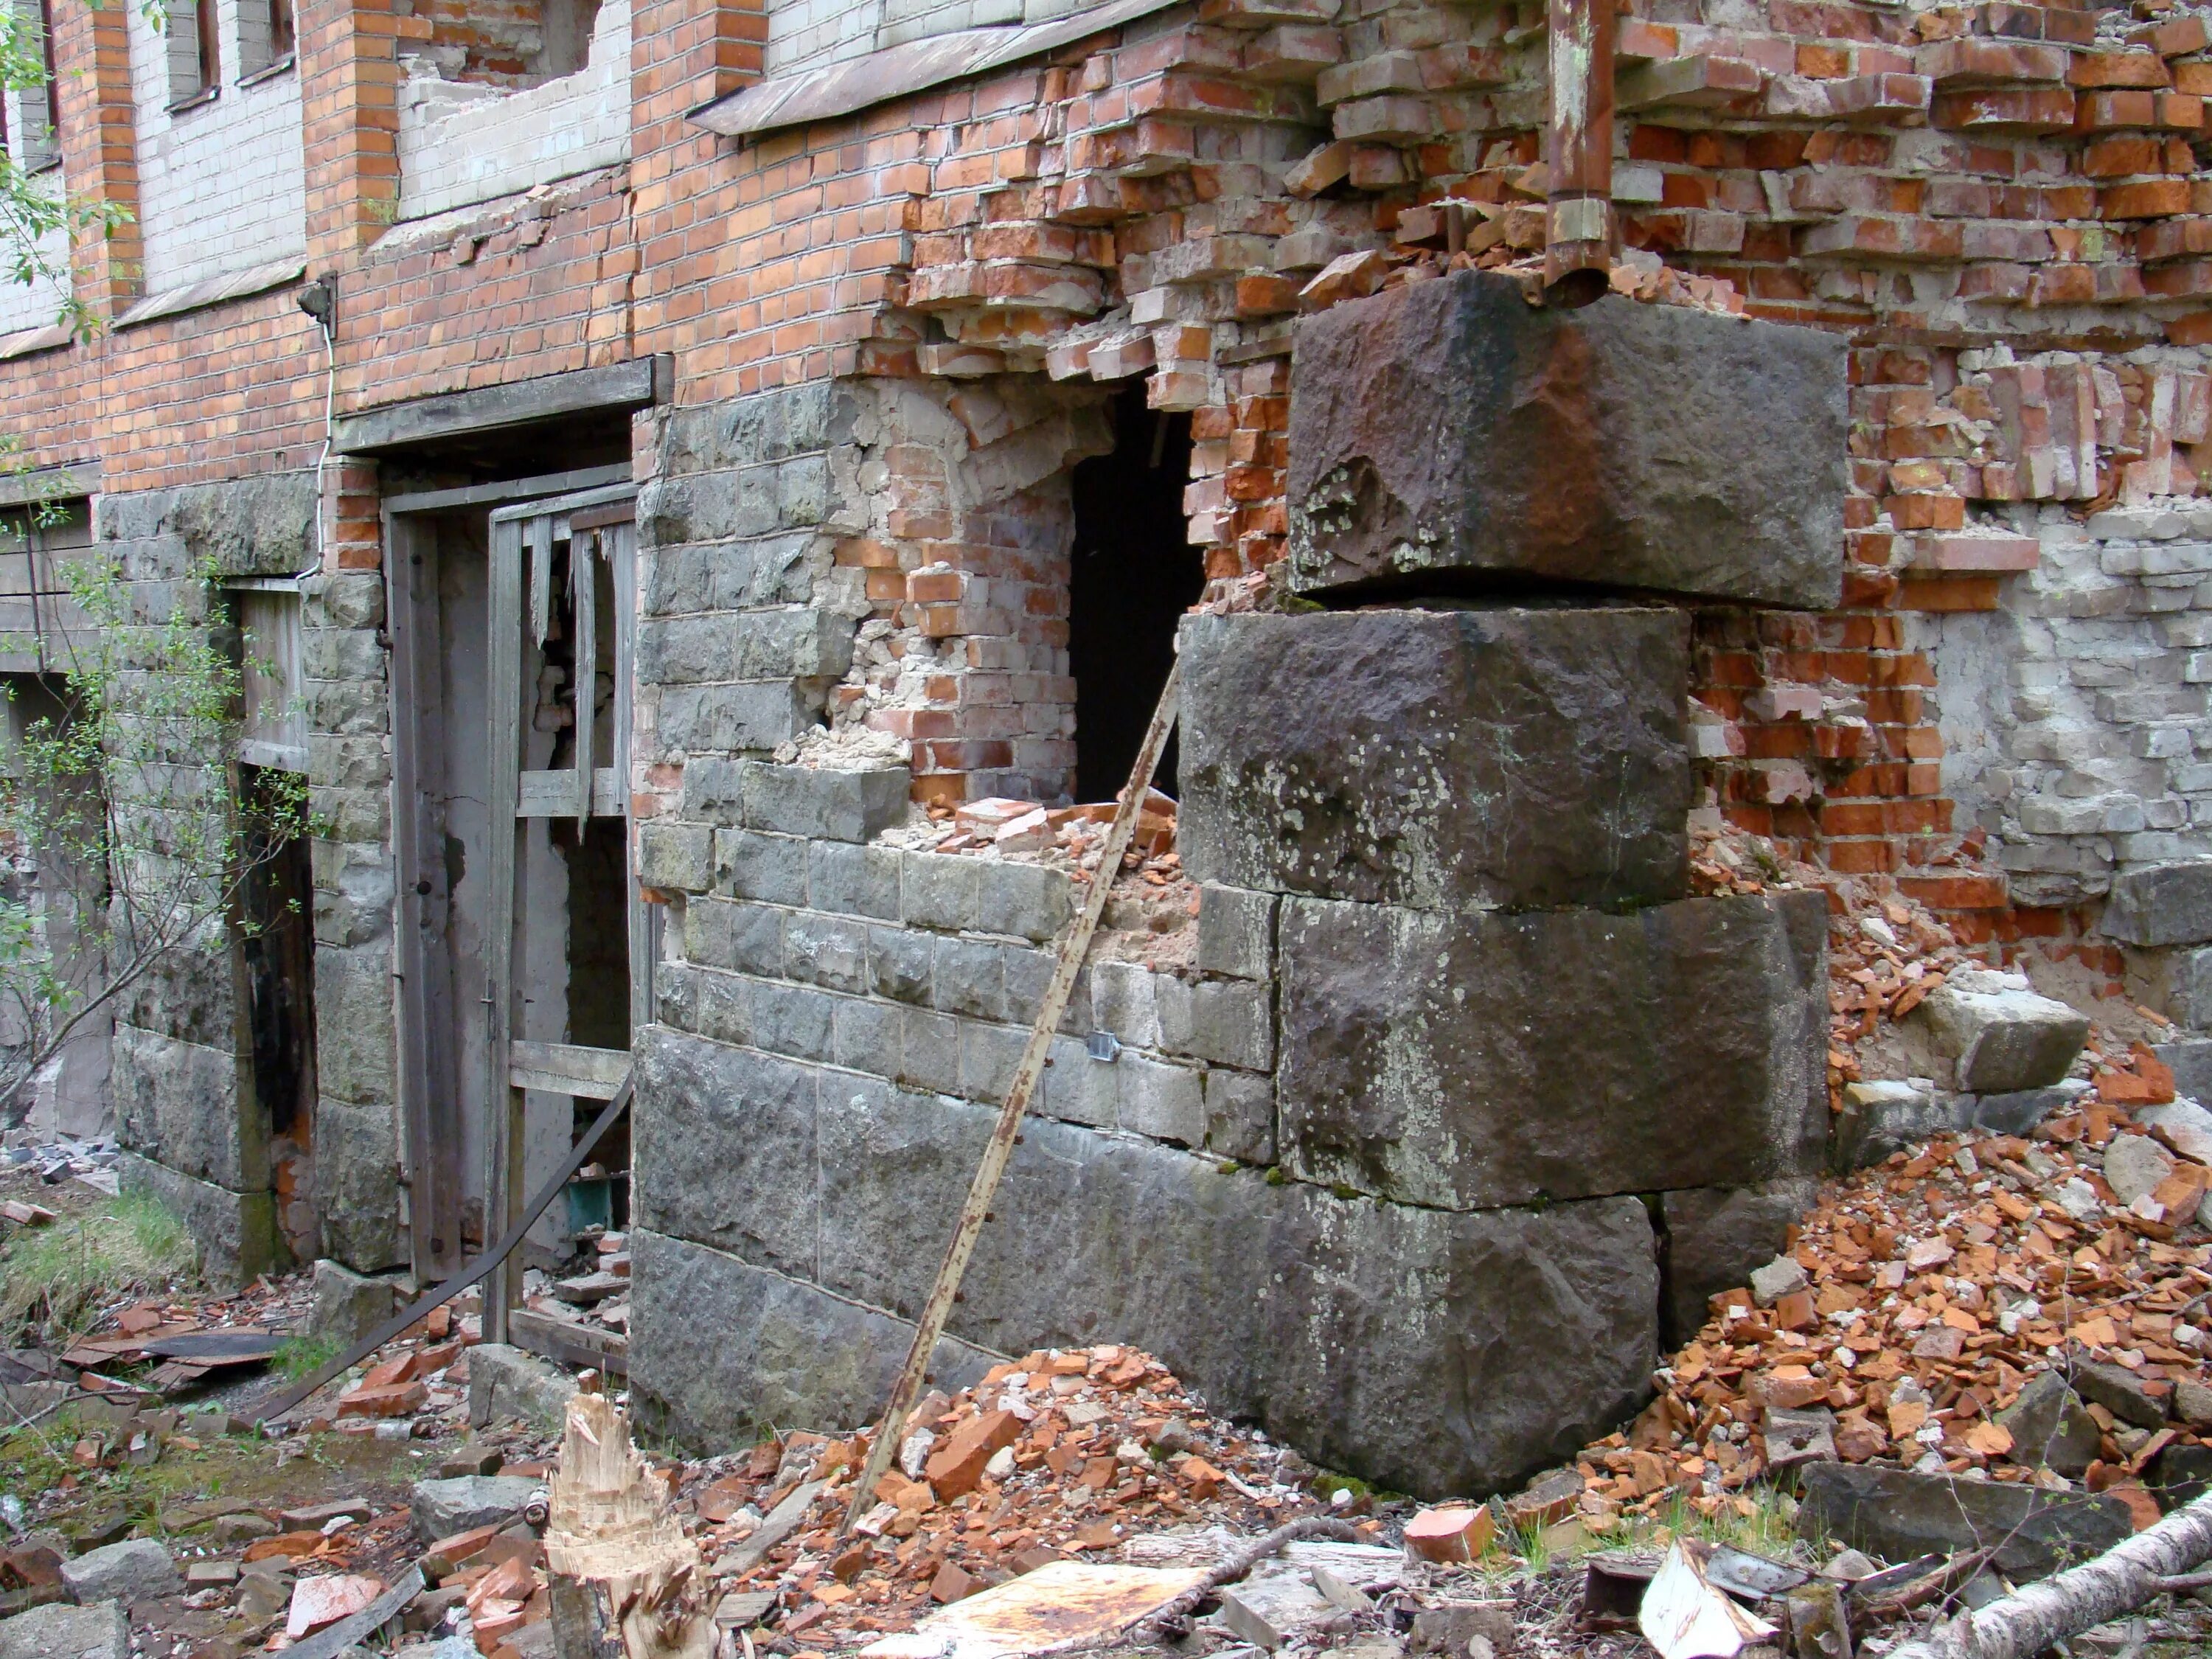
(273,713)
(195,54)
(268,42)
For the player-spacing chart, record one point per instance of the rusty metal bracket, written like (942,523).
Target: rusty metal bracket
(1074,946)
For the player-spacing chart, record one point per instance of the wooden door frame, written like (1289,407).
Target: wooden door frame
(429,1066)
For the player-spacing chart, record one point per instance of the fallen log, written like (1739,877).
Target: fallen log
(2081,1598)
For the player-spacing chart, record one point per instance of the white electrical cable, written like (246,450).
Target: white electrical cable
(330,433)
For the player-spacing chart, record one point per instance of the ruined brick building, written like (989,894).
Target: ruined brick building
(704,375)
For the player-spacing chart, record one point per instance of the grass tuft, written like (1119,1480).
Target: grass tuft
(300,1353)
(56,1281)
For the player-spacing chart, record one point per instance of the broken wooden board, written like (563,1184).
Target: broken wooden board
(1062,1605)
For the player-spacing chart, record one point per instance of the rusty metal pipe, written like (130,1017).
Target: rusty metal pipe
(1578,220)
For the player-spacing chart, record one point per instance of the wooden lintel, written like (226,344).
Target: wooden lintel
(490,409)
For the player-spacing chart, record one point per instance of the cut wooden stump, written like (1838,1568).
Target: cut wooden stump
(625,1582)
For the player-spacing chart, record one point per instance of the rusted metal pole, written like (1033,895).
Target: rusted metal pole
(1074,947)
(1578,220)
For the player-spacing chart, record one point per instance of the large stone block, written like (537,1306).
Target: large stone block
(2000,1036)
(233,1234)
(2164,904)
(1448,430)
(1467,1061)
(189,1107)
(723,1351)
(1432,1350)
(1716,1235)
(1442,758)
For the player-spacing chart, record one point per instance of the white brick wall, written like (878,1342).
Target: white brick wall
(460,143)
(32,305)
(221,187)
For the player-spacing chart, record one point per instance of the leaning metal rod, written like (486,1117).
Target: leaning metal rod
(468,1275)
(1074,947)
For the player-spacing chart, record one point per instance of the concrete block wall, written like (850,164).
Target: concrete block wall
(463,142)
(221,187)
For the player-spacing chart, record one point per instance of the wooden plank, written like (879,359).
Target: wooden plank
(644,919)
(567,1068)
(491,409)
(999,1151)
(584,675)
(428,1108)
(539,531)
(571,1344)
(598,518)
(502,1103)
(511,489)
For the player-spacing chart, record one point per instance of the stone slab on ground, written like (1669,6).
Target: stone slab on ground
(506,1381)
(1448,429)
(136,1570)
(348,1305)
(1999,1033)
(1495,1058)
(1716,1235)
(56,1632)
(1418,1347)
(234,1234)
(442,1507)
(2162,904)
(1443,759)
(1897,1515)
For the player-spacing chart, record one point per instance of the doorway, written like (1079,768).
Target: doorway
(524,950)
(1133,573)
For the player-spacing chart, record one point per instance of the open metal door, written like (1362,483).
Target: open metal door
(572,557)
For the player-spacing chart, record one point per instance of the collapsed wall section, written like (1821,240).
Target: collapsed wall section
(1319,1153)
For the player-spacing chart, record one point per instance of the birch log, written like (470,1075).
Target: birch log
(626,1583)
(2065,1604)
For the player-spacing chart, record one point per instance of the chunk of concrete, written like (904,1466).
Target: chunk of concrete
(1883,1116)
(2134,1165)
(1449,429)
(1442,759)
(1897,1515)
(1784,1276)
(2190,1059)
(136,1570)
(2120,1392)
(2162,904)
(1715,1237)
(505,1382)
(55,1632)
(1466,1062)
(1999,1033)
(2181,1124)
(348,1305)
(442,1507)
(2050,1426)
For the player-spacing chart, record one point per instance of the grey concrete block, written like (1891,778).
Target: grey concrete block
(770,868)
(1229,1021)
(2165,904)
(902,964)
(2190,1061)
(1448,430)
(714,790)
(1236,931)
(190,1108)
(732,718)
(714,1123)
(1156,1099)
(941,890)
(726,934)
(1489,1059)
(794,1019)
(2020,1111)
(1881,1117)
(929,1051)
(803,801)
(831,952)
(233,1235)
(1445,759)
(723,1351)
(1897,1515)
(725,1007)
(1078,1089)
(968,977)
(869,1036)
(1999,1034)
(1026,900)
(676,855)
(1124,999)
(358,1182)
(348,1305)
(135,1569)
(989,1055)
(1715,1235)
(1240,1115)
(521,1386)
(853,881)
(60,1632)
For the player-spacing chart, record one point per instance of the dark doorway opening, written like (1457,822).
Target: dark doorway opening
(1134,573)
(278,907)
